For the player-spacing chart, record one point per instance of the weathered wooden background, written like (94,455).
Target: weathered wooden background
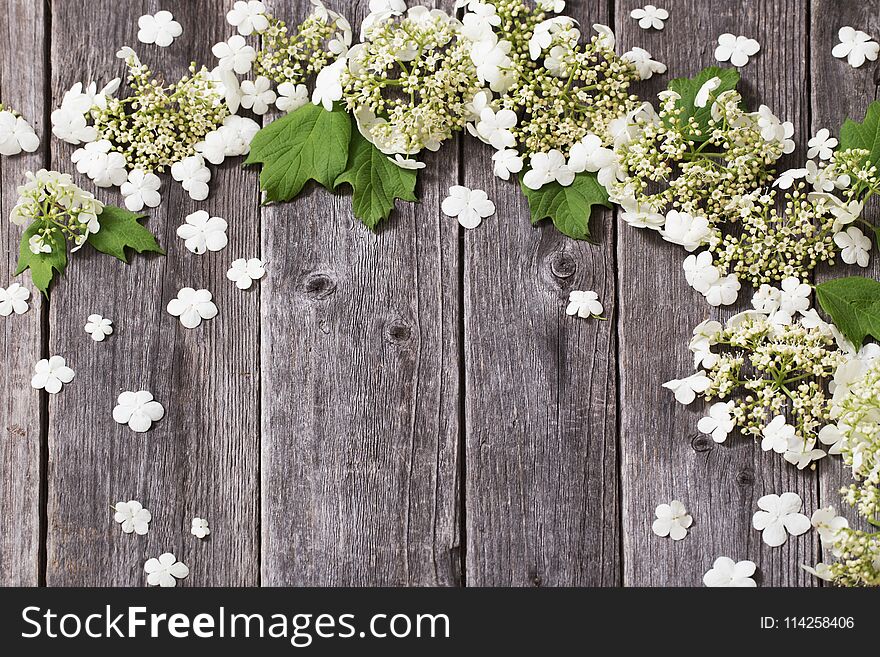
(404,408)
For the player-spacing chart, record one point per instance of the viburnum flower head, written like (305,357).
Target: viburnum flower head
(138,410)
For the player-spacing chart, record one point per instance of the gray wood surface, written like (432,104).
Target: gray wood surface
(406,407)
(663,455)
(22,412)
(360,352)
(202,459)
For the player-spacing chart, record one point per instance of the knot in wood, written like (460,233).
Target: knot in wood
(701,443)
(396,332)
(562,265)
(318,286)
(746,477)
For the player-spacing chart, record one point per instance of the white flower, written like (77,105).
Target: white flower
(650,16)
(138,410)
(822,144)
(506,162)
(141,189)
(105,167)
(724,291)
(494,128)
(199,528)
(794,296)
(494,66)
(589,155)
(193,176)
(133,517)
(777,435)
(702,97)
(719,422)
(291,97)
(831,436)
(244,272)
(192,306)
(686,389)
(606,36)
(856,46)
(71,126)
(16,135)
(14,299)
(726,573)
(328,85)
(554,6)
(470,206)
(37,245)
(234,54)
(160,28)
(854,246)
(548,167)
(645,65)
(766,299)
(478,22)
(779,517)
(827,523)
(382,10)
(686,230)
(51,374)
(699,271)
(408,163)
(672,520)
(165,571)
(736,49)
(822,571)
(248,17)
(98,327)
(704,337)
(802,452)
(641,216)
(257,94)
(542,36)
(771,127)
(226,83)
(786,178)
(202,232)
(231,139)
(584,304)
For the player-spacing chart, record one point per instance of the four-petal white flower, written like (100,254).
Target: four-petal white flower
(165,571)
(138,410)
(780,516)
(727,573)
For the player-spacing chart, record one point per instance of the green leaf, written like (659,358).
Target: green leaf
(375,181)
(864,135)
(568,207)
(42,265)
(687,88)
(120,230)
(308,144)
(854,306)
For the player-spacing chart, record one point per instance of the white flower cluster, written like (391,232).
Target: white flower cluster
(777,359)
(56,211)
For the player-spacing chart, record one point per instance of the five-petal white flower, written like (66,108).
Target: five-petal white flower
(99,327)
(165,571)
(856,46)
(777,435)
(584,303)
(821,144)
(234,54)
(248,17)
(719,422)
(645,64)
(257,95)
(727,573)
(780,516)
(141,189)
(133,517)
(650,16)
(827,523)
(159,28)
(471,206)
(199,527)
(855,246)
(686,389)
(548,167)
(51,374)
(14,299)
(192,306)
(244,272)
(16,135)
(672,520)
(138,410)
(202,232)
(736,49)
(193,176)
(291,97)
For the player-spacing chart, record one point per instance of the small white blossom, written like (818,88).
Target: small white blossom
(727,573)
(51,374)
(192,306)
(686,389)
(407,162)
(99,327)
(719,423)
(703,93)
(506,162)
(650,16)
(193,176)
(231,139)
(104,166)
(672,520)
(831,436)
(644,63)
(723,291)
(328,85)
(71,126)
(584,303)
(16,135)
(244,272)
(138,410)
(199,528)
(777,435)
(14,299)
(248,17)
(470,206)
(257,95)
(291,97)
(554,6)
(822,571)
(802,452)
(494,128)
(780,516)
(141,189)
(699,271)
(589,155)
(234,54)
(822,144)
(686,230)
(160,28)
(828,524)
(856,46)
(133,517)
(202,232)
(165,571)
(855,246)
(548,167)
(794,296)
(641,216)
(736,49)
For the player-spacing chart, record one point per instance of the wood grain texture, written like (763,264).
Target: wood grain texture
(542,503)
(22,87)
(840,92)
(360,352)
(663,455)
(202,459)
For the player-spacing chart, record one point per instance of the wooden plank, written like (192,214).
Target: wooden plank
(542,503)
(664,457)
(840,92)
(22,87)
(202,459)
(360,353)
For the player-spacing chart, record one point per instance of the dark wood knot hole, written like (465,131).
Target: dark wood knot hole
(397,333)
(319,286)
(562,265)
(701,443)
